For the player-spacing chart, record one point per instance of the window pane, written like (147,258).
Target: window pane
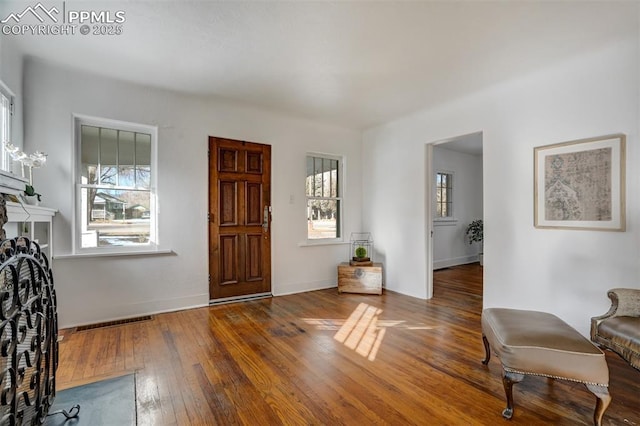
(334,178)
(115,217)
(143,160)
(108,146)
(126,159)
(108,156)
(143,149)
(323,218)
(310,177)
(317,171)
(444,200)
(90,151)
(126,149)
(143,177)
(326,177)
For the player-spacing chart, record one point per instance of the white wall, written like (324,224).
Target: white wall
(98,289)
(11,75)
(566,272)
(450,244)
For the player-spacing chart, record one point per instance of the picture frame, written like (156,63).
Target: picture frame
(580,184)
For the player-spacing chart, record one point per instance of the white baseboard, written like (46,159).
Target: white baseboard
(282,290)
(447,263)
(152,307)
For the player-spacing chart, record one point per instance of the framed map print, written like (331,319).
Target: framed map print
(581,184)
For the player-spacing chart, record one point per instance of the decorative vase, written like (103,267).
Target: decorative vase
(32,200)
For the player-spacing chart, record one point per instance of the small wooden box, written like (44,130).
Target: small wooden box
(360,279)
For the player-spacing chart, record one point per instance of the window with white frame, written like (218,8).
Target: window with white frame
(6,114)
(444,195)
(115,185)
(324,197)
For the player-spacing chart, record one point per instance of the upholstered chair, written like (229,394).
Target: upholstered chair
(619,329)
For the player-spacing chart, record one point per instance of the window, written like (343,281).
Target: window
(115,190)
(324,197)
(6,113)
(444,195)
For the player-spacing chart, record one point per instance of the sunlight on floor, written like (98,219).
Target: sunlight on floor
(363,331)
(147,397)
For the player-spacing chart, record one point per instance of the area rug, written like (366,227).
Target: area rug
(104,403)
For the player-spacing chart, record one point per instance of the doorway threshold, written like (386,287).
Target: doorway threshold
(244,298)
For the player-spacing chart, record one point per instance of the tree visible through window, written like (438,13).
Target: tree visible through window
(115,181)
(323,197)
(444,195)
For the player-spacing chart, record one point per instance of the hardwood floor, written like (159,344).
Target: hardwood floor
(323,358)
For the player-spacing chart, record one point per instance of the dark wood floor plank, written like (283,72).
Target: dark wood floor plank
(323,358)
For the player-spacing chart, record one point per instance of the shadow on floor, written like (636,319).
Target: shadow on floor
(104,403)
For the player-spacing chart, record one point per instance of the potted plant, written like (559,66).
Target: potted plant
(361,253)
(475,234)
(31,195)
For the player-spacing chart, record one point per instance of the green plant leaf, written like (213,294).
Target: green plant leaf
(361,252)
(31,192)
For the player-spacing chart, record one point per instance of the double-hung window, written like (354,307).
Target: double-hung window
(6,113)
(115,186)
(444,195)
(324,197)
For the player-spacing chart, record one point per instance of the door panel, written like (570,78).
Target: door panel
(228,160)
(228,259)
(254,204)
(254,257)
(228,203)
(239,205)
(254,162)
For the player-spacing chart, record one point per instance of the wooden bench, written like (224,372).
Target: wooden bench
(541,344)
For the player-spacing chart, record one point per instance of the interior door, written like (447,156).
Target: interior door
(239,218)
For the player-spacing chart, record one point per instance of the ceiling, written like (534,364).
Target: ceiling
(351,63)
(469,144)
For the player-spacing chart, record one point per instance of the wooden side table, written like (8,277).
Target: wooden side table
(360,279)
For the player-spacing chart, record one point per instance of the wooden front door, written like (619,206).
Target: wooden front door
(239,218)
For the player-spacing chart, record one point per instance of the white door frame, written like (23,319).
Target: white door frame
(429,216)
(429,208)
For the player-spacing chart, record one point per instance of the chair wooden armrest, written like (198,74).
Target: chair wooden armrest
(624,302)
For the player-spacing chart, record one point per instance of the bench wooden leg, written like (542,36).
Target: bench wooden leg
(603,401)
(508,380)
(487,350)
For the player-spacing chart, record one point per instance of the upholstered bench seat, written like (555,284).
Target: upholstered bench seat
(541,344)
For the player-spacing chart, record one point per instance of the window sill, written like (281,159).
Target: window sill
(445,222)
(322,243)
(115,253)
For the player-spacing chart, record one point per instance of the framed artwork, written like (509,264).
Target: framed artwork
(581,184)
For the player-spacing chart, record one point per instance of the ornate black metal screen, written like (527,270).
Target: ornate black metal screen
(28,333)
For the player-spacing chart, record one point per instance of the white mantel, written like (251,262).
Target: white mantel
(35,222)
(11,183)
(17,212)
(25,219)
